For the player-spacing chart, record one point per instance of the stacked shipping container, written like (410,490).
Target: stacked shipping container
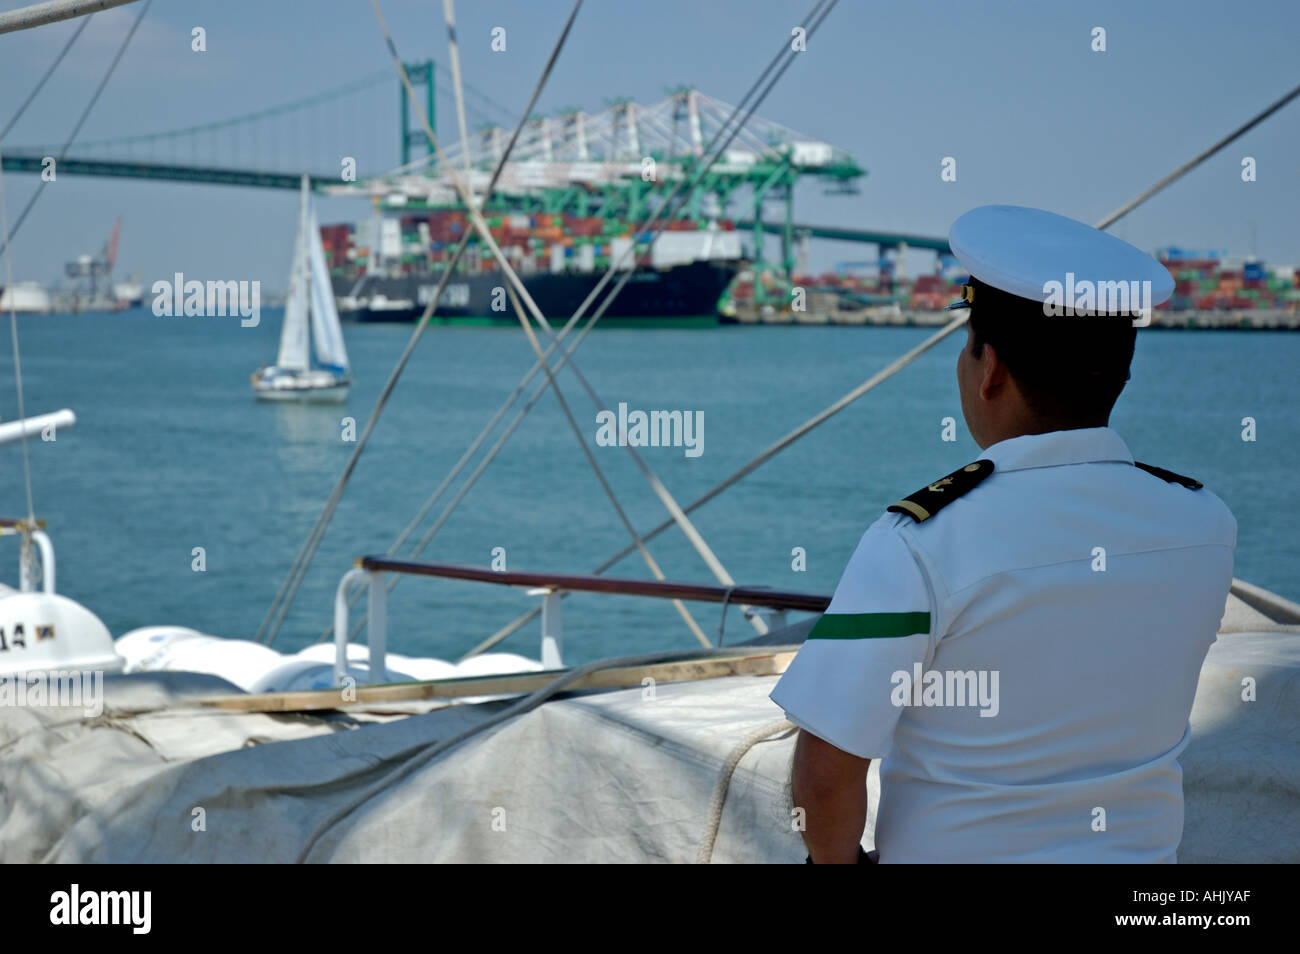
(556,242)
(1204,282)
(1201,281)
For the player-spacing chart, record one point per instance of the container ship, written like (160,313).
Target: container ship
(388,268)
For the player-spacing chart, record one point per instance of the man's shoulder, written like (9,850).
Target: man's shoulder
(1187,500)
(923,504)
(970,485)
(995,520)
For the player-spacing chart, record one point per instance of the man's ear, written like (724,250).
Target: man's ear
(995,377)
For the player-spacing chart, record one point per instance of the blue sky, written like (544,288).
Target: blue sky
(1011,90)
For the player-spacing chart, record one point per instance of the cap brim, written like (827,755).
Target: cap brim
(1021,250)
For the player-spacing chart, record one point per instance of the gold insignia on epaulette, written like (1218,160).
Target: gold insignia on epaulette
(932,498)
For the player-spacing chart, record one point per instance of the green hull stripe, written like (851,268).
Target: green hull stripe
(869,625)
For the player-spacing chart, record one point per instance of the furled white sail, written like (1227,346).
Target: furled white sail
(328,335)
(293,354)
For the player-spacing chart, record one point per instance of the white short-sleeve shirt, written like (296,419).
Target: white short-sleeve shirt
(1024,661)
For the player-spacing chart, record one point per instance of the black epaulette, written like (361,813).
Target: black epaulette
(1188,482)
(929,500)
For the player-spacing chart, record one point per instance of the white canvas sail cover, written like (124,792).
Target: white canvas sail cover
(328,335)
(107,780)
(293,335)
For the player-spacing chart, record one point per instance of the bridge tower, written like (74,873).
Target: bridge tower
(418,73)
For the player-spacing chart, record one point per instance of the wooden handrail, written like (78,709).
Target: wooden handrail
(752,595)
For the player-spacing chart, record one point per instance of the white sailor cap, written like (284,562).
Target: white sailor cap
(1044,257)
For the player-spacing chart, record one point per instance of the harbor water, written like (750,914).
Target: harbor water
(178,499)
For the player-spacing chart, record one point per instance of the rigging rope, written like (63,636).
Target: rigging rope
(668,208)
(18,367)
(902,362)
(289,588)
(423,755)
(486,237)
(8,234)
(48,73)
(758,461)
(696,631)
(77,128)
(817,14)
(1187,167)
(650,561)
(879,377)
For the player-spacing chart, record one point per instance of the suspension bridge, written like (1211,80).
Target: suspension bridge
(576,161)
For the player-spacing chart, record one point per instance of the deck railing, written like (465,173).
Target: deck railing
(373,570)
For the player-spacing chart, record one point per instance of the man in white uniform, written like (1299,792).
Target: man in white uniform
(1019,642)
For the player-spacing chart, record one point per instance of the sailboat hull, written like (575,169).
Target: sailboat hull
(302,386)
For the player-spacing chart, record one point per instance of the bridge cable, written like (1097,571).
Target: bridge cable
(293,106)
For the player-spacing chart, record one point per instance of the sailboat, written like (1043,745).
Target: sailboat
(293,377)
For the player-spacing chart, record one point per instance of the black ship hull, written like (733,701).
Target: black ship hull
(681,294)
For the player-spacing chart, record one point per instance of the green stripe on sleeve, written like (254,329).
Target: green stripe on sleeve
(869,625)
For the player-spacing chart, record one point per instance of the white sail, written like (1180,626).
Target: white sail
(328,334)
(293,335)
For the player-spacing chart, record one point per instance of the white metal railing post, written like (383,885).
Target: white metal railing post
(47,559)
(26,581)
(341,622)
(552,635)
(552,624)
(377,623)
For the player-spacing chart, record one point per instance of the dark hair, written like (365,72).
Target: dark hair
(1070,369)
